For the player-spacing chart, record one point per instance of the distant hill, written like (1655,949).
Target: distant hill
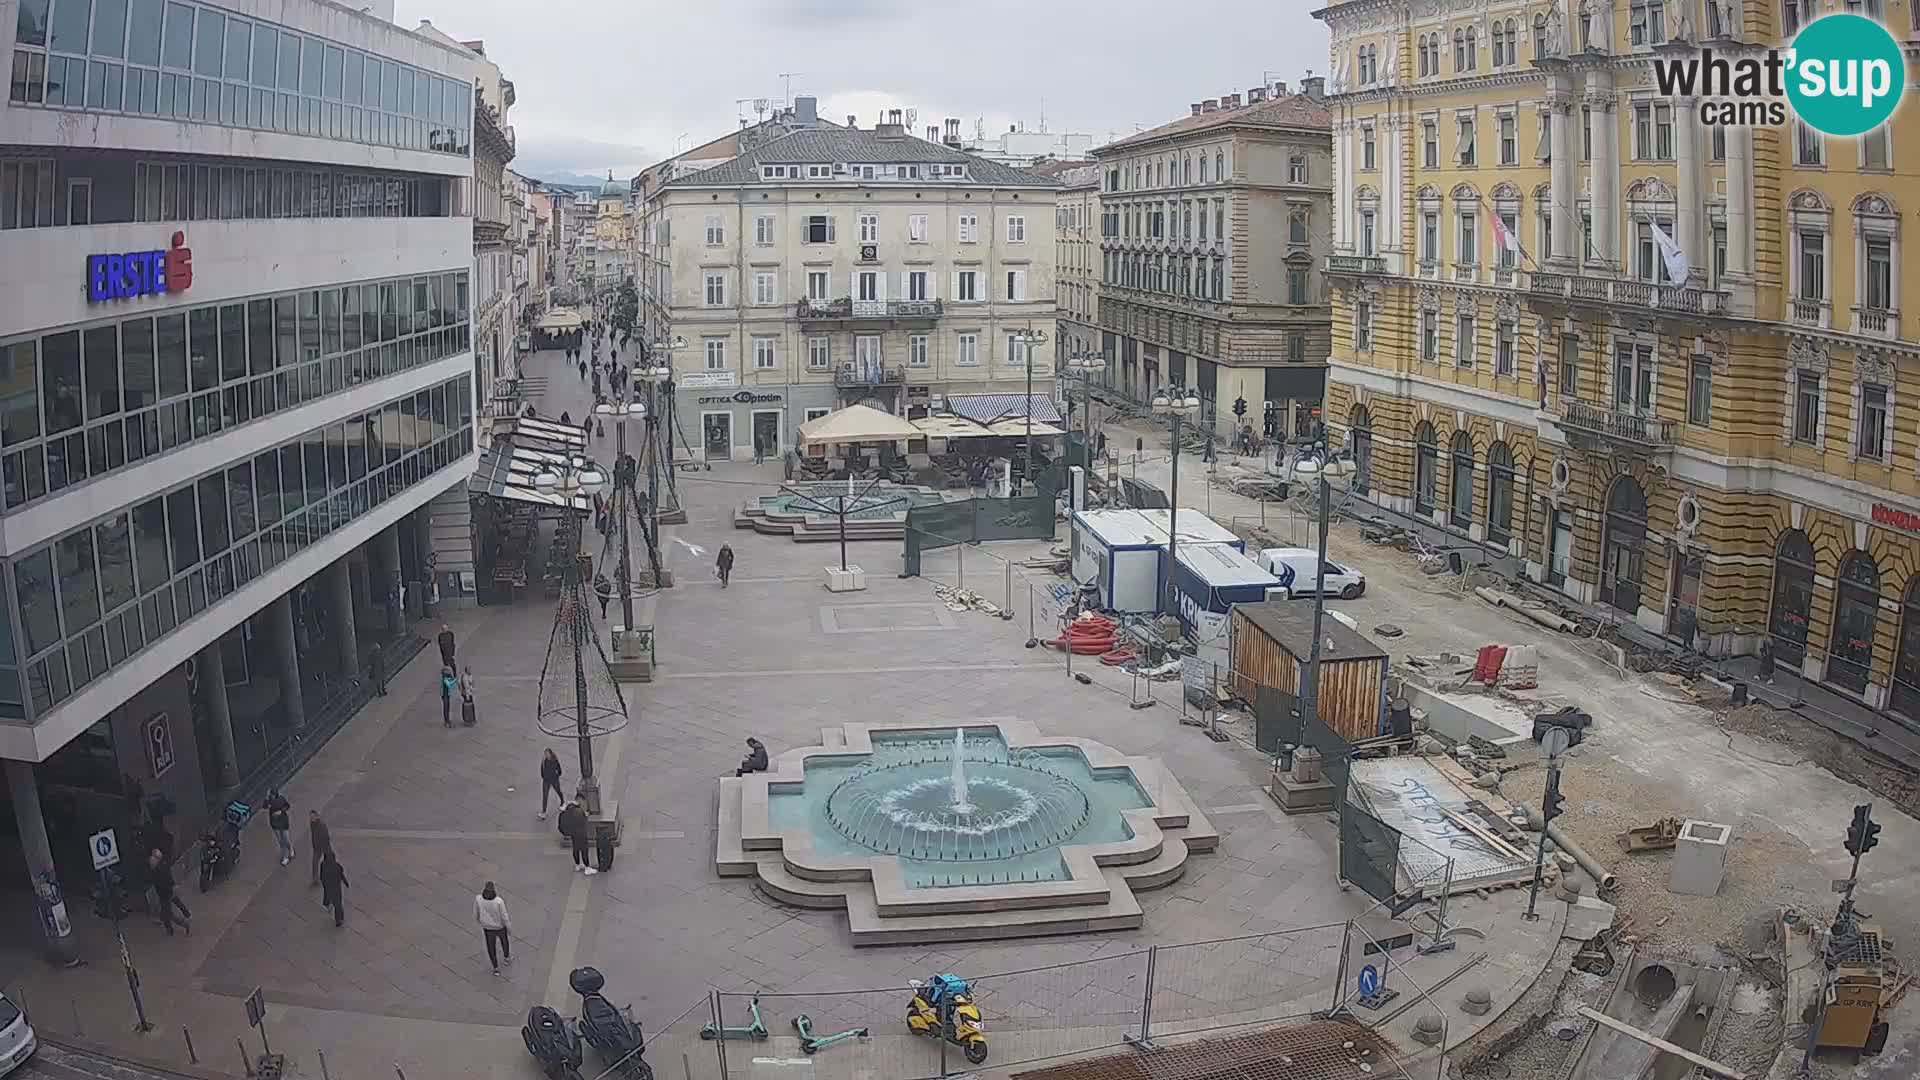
(573,182)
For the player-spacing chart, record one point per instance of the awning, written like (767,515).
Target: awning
(987,408)
(507,471)
(856,424)
(947,426)
(559,320)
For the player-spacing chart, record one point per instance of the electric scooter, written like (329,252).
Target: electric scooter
(756,1030)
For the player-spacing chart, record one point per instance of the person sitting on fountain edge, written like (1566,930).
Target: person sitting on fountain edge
(756,759)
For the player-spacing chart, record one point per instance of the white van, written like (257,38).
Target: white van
(17,1043)
(1296,567)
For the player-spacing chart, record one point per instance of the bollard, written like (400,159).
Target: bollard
(324,1074)
(397,1072)
(245,1061)
(960,576)
(192,1058)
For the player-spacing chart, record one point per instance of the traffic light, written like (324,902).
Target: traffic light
(1552,803)
(1864,834)
(1239,407)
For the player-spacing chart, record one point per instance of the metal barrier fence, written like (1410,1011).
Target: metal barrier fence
(971,521)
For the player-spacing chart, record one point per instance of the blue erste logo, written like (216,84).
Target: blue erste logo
(1842,75)
(1847,75)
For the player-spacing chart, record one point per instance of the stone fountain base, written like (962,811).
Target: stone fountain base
(883,909)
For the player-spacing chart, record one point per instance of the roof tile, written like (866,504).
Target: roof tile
(1294,111)
(815,146)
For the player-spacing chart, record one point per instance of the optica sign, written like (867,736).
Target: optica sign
(1895,518)
(141,273)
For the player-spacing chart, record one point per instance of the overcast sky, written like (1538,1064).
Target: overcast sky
(614,84)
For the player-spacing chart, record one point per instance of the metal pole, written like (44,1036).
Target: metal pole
(843,532)
(960,553)
(1540,849)
(623,483)
(577,630)
(1173,510)
(1026,470)
(719,1041)
(1310,707)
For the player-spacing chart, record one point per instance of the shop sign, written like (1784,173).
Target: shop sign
(708,380)
(744,397)
(141,273)
(1893,518)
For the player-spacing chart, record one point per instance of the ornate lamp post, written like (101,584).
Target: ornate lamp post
(1178,406)
(1323,469)
(1080,370)
(573,482)
(1029,339)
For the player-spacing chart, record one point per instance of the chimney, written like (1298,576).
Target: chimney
(1256,95)
(1209,105)
(806,111)
(1196,108)
(1231,101)
(933,133)
(893,116)
(1279,90)
(1313,86)
(852,122)
(953,131)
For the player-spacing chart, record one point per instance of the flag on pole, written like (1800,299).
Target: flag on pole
(1504,237)
(1670,254)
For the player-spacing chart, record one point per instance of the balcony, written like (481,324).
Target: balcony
(1620,292)
(1467,273)
(1808,312)
(879,314)
(1593,427)
(865,376)
(1504,276)
(1876,322)
(1356,265)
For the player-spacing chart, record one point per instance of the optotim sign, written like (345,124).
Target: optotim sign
(141,273)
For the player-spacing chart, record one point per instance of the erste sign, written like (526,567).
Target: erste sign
(141,273)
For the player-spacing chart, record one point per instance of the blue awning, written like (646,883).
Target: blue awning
(986,408)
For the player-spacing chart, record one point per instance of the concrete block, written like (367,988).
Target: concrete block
(852,579)
(1700,858)
(1586,917)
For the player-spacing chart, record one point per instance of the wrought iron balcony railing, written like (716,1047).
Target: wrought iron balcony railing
(1621,428)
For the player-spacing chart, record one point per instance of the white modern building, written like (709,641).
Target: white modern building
(235,366)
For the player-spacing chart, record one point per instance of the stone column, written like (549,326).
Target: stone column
(1390,239)
(210,669)
(1740,202)
(287,651)
(1690,212)
(1605,166)
(1342,188)
(386,578)
(1561,172)
(357,572)
(340,615)
(25,792)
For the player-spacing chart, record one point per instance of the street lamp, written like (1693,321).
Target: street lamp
(1028,339)
(1322,468)
(572,481)
(1080,369)
(620,409)
(1177,405)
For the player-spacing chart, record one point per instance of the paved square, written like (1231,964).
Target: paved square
(882,618)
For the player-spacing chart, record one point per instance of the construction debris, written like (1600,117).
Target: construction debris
(1659,1043)
(967,600)
(1660,835)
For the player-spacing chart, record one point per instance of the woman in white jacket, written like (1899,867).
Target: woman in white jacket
(491,913)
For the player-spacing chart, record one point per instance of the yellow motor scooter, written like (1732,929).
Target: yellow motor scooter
(942,1008)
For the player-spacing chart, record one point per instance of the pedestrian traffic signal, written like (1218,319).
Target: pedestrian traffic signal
(1864,834)
(1552,803)
(1239,407)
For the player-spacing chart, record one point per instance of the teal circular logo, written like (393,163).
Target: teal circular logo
(1845,75)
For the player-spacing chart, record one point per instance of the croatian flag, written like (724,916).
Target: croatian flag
(1671,254)
(1505,238)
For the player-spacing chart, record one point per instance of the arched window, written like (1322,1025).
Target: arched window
(1426,464)
(1499,493)
(1792,597)
(1623,545)
(1219,280)
(1539,37)
(1203,168)
(1189,170)
(1906,655)
(1856,620)
(1420,57)
(1513,42)
(1460,490)
(1459,49)
(1360,442)
(1220,169)
(1473,48)
(1499,44)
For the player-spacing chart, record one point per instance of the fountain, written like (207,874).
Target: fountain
(935,824)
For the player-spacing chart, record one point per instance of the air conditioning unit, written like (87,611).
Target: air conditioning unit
(869,252)
(839,168)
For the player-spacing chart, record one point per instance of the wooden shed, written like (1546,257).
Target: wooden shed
(1272,642)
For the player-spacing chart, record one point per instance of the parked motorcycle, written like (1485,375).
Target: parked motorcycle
(553,1042)
(942,1008)
(220,844)
(609,1029)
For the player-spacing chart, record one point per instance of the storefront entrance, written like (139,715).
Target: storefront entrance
(766,431)
(1792,597)
(1623,547)
(1856,619)
(1559,549)
(1905,698)
(1683,606)
(717,435)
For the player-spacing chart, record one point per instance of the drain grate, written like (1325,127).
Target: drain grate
(1314,1050)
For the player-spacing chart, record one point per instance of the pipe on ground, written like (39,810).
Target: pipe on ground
(1602,878)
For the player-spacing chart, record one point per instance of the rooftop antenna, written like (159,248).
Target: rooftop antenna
(760,105)
(1043,116)
(789,76)
(737,102)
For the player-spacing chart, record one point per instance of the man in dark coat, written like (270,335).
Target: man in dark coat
(756,759)
(377,668)
(446,645)
(333,883)
(578,831)
(160,876)
(320,840)
(723,564)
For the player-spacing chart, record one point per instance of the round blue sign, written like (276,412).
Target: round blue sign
(104,845)
(1369,981)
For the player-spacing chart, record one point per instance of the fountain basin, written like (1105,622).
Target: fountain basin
(1060,833)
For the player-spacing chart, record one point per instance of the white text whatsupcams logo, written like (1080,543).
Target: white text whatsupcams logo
(1841,75)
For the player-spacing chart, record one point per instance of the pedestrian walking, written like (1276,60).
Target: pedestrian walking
(333,883)
(319,841)
(278,813)
(377,669)
(447,683)
(759,450)
(446,644)
(160,876)
(491,913)
(575,827)
(603,591)
(1766,660)
(550,781)
(469,713)
(723,564)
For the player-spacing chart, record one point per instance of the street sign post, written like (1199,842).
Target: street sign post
(1369,981)
(257,1017)
(105,849)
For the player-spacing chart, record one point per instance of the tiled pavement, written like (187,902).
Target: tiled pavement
(422,815)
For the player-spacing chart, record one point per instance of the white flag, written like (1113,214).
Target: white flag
(1503,237)
(1670,254)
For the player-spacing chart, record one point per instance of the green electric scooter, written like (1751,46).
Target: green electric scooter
(811,1042)
(756,1030)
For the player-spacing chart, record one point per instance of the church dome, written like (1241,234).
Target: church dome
(613,188)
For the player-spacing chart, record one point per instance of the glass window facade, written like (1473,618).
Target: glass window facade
(105,591)
(198,63)
(80,402)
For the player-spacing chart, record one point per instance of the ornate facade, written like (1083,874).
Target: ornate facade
(1657,363)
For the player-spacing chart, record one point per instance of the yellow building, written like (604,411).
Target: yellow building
(1677,390)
